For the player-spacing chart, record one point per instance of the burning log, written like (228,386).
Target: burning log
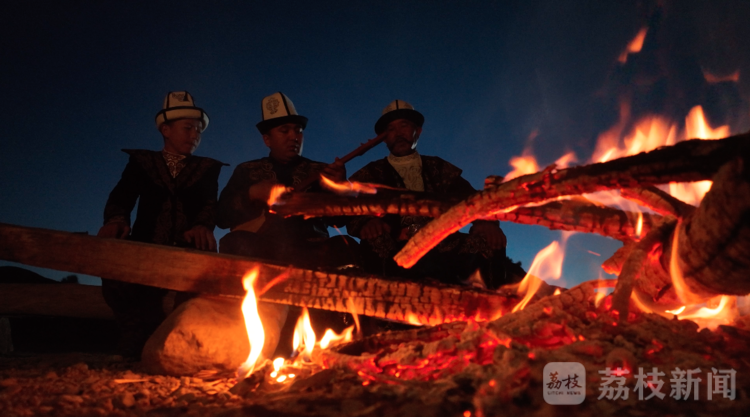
(691,160)
(218,274)
(658,201)
(575,214)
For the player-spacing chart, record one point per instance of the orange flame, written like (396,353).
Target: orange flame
(304,336)
(413,319)
(253,325)
(566,160)
(639,225)
(695,308)
(526,163)
(522,165)
(652,132)
(634,46)
(276,192)
(348,187)
(330,338)
(547,264)
(353,311)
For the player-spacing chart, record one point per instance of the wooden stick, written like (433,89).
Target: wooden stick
(361,149)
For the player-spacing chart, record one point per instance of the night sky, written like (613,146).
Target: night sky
(81,80)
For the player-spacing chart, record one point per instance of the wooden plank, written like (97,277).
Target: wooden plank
(203,272)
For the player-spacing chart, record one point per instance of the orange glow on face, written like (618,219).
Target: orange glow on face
(547,264)
(276,192)
(330,338)
(348,187)
(304,336)
(634,46)
(253,325)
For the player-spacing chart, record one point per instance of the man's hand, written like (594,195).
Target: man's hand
(262,190)
(335,171)
(116,230)
(373,229)
(492,234)
(201,237)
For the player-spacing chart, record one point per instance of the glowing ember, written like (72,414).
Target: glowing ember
(276,192)
(348,187)
(304,336)
(253,325)
(634,46)
(277,364)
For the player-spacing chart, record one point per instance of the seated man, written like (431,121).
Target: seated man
(243,207)
(176,194)
(457,257)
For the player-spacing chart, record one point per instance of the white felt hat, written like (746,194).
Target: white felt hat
(398,109)
(277,110)
(180,105)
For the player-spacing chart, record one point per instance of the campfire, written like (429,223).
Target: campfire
(668,334)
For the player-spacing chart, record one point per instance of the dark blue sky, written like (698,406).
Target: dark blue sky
(81,80)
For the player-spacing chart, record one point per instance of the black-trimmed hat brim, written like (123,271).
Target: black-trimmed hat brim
(269,124)
(412,115)
(185,112)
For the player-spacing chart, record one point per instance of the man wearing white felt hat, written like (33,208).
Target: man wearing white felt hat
(176,194)
(458,256)
(256,232)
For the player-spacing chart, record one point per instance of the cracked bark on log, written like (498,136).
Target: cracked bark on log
(385,202)
(714,243)
(576,214)
(691,160)
(658,201)
(219,274)
(580,215)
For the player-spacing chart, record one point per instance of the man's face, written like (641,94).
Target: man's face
(401,137)
(182,136)
(285,141)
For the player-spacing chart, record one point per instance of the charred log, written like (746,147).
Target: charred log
(218,274)
(691,160)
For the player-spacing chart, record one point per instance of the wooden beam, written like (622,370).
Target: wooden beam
(203,272)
